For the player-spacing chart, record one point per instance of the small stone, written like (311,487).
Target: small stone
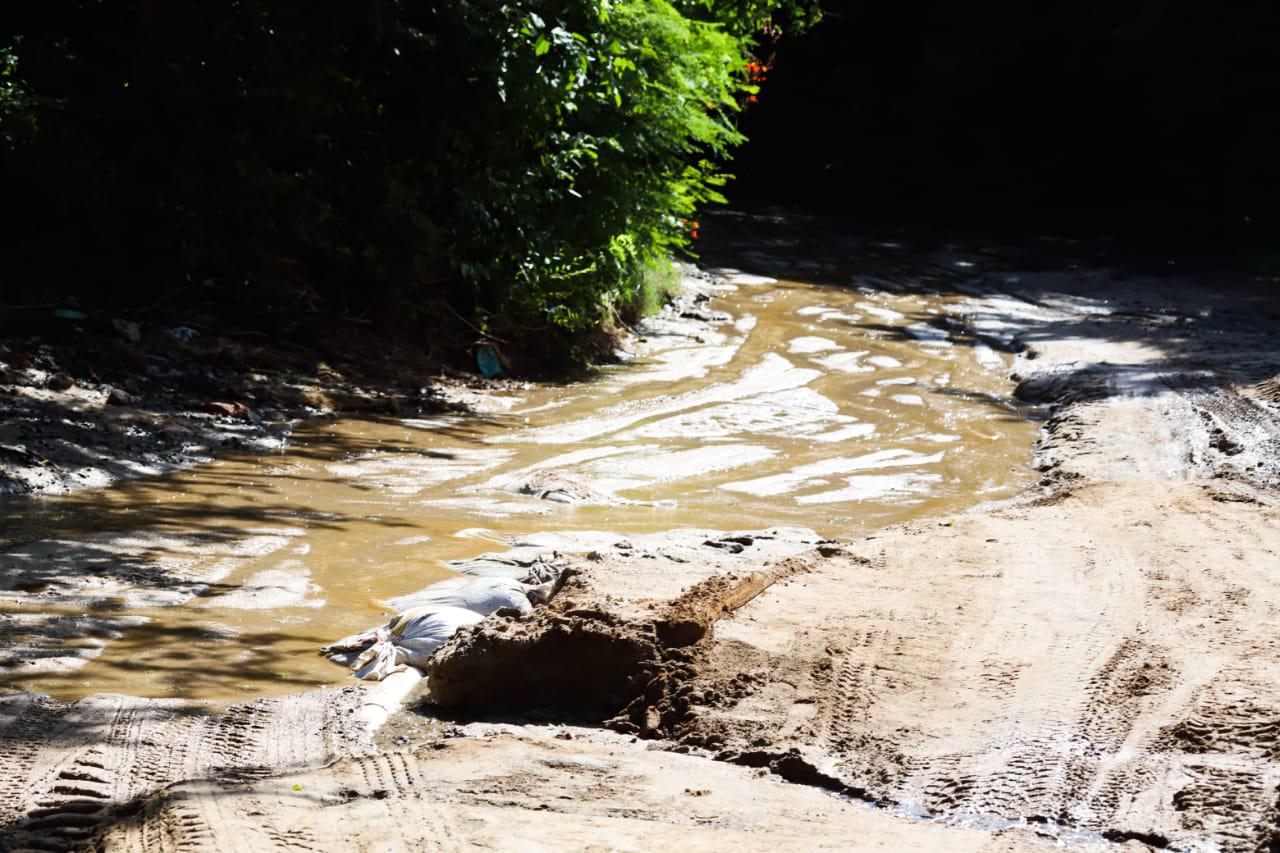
(652,720)
(119,397)
(239,411)
(128,328)
(60,382)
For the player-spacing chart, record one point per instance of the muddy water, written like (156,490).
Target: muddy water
(839,409)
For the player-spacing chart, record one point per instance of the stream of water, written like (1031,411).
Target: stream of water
(839,409)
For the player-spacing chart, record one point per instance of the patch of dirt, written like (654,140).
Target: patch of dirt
(69,765)
(1104,680)
(972,674)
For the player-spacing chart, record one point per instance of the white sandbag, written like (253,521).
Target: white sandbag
(536,570)
(379,659)
(483,595)
(479,595)
(410,639)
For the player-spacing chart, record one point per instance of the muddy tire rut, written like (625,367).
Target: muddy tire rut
(70,765)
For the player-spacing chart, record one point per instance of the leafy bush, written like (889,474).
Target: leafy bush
(520,162)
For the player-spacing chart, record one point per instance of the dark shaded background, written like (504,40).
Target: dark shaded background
(1151,121)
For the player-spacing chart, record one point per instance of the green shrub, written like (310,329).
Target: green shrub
(521,162)
(654,283)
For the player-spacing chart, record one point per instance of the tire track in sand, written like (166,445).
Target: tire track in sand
(64,766)
(1107,680)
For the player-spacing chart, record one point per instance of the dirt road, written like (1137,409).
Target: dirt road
(1092,663)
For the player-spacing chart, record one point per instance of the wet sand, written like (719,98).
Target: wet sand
(1091,663)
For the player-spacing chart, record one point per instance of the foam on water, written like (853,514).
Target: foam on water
(815,472)
(810,344)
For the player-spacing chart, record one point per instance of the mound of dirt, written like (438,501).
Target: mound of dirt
(594,656)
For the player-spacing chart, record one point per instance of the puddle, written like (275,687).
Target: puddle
(839,409)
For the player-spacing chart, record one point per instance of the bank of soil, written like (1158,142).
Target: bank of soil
(1094,662)
(89,399)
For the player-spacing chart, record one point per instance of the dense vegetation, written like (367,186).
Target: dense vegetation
(524,165)
(1148,119)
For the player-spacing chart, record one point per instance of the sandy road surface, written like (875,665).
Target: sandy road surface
(526,791)
(1094,663)
(1107,662)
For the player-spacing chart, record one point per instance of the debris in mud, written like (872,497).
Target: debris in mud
(131,331)
(1064,386)
(238,411)
(705,315)
(568,489)
(793,767)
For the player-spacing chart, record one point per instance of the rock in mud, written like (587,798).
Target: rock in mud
(61,382)
(565,488)
(128,328)
(119,397)
(239,411)
(706,315)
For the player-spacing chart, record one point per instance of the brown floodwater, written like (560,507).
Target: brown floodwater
(839,409)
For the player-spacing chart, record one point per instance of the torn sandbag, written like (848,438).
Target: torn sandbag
(410,639)
(483,595)
(430,617)
(538,569)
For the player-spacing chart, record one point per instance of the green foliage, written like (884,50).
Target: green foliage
(655,283)
(17,105)
(521,162)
